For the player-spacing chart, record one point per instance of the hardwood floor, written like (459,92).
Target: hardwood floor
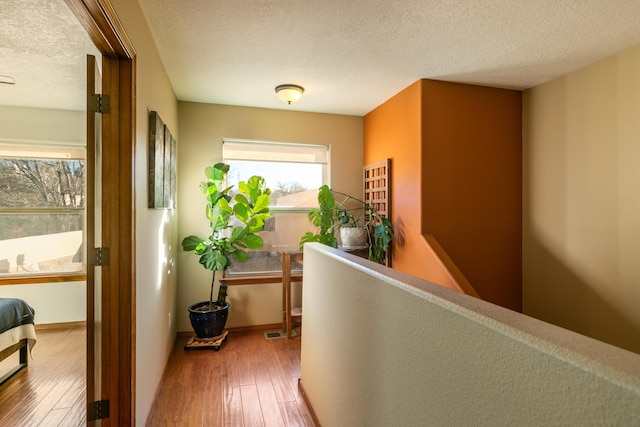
(250,381)
(51,391)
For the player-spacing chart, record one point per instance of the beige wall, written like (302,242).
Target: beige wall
(156,230)
(399,351)
(43,125)
(202,128)
(57,302)
(581,183)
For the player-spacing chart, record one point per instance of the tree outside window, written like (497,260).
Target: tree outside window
(42,213)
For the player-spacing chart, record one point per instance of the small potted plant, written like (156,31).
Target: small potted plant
(332,217)
(233,230)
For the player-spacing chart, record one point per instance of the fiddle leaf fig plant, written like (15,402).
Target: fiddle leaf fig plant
(233,228)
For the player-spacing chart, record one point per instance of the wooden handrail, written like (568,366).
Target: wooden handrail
(450,267)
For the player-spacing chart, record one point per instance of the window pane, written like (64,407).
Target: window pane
(282,232)
(284,180)
(41,243)
(41,183)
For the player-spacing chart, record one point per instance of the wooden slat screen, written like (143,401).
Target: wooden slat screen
(377,192)
(377,187)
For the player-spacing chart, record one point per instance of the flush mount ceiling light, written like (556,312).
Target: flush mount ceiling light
(289,93)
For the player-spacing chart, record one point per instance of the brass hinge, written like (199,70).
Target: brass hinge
(98,257)
(97,103)
(98,410)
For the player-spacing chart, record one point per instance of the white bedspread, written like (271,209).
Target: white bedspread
(14,335)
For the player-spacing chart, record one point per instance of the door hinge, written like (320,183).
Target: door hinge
(98,410)
(97,103)
(98,257)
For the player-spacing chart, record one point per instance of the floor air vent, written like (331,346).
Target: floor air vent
(278,334)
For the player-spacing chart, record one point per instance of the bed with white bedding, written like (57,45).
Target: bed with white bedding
(17,332)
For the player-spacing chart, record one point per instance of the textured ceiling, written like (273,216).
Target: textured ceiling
(43,47)
(351,56)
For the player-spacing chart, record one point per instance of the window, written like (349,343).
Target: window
(293,172)
(41,209)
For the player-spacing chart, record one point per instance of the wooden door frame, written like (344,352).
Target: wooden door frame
(99,19)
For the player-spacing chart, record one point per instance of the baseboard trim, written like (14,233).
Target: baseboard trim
(250,328)
(312,412)
(61,325)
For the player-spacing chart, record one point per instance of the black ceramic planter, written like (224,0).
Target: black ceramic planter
(208,323)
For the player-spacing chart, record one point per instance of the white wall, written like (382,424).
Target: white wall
(581,193)
(380,348)
(156,230)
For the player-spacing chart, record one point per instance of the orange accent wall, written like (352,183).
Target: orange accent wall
(394,130)
(456,174)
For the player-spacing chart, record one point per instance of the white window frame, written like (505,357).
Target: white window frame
(45,150)
(266,151)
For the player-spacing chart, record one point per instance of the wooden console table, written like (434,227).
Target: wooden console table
(290,314)
(288,258)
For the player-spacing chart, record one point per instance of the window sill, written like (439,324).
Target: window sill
(28,280)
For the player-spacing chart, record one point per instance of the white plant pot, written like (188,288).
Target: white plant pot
(354,237)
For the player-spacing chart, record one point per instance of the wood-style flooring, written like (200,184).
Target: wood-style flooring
(250,381)
(51,391)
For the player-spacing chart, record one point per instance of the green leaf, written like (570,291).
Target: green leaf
(307,238)
(243,187)
(241,256)
(262,203)
(211,192)
(253,241)
(242,212)
(214,260)
(217,172)
(326,199)
(255,224)
(314,216)
(191,242)
(329,240)
(262,216)
(204,187)
(256,182)
(224,205)
(222,215)
(240,198)
(213,213)
(224,194)
(256,185)
(238,233)
(345,217)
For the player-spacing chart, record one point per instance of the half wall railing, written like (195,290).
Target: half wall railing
(381,348)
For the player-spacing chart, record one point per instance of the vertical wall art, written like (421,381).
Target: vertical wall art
(162,164)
